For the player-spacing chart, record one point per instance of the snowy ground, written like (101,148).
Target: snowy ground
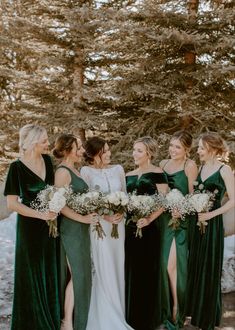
(7,246)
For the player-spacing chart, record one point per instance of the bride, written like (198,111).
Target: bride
(108,296)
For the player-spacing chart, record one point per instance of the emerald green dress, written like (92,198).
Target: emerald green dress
(142,260)
(75,246)
(179,181)
(205,263)
(36,289)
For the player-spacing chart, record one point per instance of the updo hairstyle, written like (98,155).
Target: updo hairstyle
(29,135)
(214,143)
(185,139)
(93,146)
(64,145)
(150,145)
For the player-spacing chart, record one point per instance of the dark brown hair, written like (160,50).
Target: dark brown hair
(185,138)
(212,141)
(64,145)
(93,146)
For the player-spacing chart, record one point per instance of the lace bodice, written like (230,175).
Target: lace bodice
(105,180)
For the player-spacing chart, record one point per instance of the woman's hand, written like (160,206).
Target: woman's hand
(115,219)
(47,215)
(202,217)
(91,218)
(143,222)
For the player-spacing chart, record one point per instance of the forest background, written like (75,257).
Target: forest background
(120,69)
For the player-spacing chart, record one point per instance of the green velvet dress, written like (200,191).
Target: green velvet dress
(36,289)
(142,260)
(179,181)
(205,263)
(75,246)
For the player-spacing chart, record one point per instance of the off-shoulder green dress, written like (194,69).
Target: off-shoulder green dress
(142,257)
(205,263)
(75,247)
(36,287)
(179,181)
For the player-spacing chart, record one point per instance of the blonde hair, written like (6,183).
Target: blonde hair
(150,145)
(212,141)
(30,135)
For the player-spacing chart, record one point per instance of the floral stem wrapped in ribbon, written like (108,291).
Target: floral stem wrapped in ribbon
(87,203)
(51,199)
(140,206)
(115,202)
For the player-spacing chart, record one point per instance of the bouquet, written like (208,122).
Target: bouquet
(51,199)
(140,206)
(87,203)
(201,201)
(115,202)
(175,201)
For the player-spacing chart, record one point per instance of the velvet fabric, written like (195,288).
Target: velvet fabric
(75,247)
(142,260)
(36,293)
(205,263)
(179,181)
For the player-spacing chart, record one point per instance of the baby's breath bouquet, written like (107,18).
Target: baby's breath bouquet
(51,199)
(140,206)
(87,203)
(115,202)
(176,202)
(201,201)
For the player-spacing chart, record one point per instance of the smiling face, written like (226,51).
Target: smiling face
(203,151)
(102,159)
(77,151)
(176,150)
(140,154)
(42,145)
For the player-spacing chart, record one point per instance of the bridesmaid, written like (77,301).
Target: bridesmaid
(142,254)
(206,252)
(181,173)
(36,296)
(75,239)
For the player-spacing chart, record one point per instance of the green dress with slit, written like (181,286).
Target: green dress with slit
(75,247)
(179,181)
(205,263)
(142,258)
(36,287)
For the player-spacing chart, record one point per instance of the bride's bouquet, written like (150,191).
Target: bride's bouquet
(176,202)
(87,203)
(51,199)
(140,206)
(115,202)
(201,201)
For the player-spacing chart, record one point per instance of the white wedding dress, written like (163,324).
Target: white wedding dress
(107,307)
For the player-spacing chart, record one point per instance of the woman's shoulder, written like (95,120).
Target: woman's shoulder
(163,163)
(130,173)
(157,169)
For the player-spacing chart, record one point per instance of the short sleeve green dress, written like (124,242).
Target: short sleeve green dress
(142,260)
(177,180)
(205,263)
(75,247)
(36,289)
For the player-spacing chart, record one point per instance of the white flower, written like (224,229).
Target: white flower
(200,201)
(57,202)
(201,186)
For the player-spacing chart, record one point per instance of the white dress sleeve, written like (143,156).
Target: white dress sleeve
(122,178)
(85,175)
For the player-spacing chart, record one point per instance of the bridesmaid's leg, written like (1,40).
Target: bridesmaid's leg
(67,322)
(172,273)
